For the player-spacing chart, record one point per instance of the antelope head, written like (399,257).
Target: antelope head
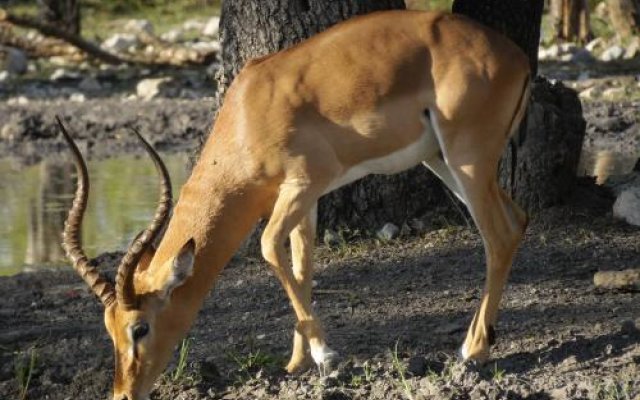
(142,336)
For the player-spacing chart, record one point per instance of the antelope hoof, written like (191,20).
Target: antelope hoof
(326,359)
(299,364)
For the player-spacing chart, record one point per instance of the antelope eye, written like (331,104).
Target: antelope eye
(139,331)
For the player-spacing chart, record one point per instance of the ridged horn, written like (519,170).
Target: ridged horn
(71,241)
(125,292)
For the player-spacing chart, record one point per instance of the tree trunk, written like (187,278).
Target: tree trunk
(253,28)
(571,20)
(539,168)
(64,14)
(625,17)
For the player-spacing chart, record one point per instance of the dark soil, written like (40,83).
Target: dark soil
(397,312)
(558,336)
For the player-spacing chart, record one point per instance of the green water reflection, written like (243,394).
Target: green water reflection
(35,200)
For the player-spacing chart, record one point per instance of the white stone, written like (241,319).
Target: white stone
(120,42)
(21,100)
(78,98)
(633,49)
(89,84)
(595,44)
(207,47)
(4,75)
(613,53)
(63,74)
(150,88)
(614,93)
(212,27)
(193,25)
(388,232)
(15,60)
(138,26)
(174,35)
(627,206)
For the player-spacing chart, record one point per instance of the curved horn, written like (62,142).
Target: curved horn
(71,235)
(125,292)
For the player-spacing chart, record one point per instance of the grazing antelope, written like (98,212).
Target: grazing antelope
(376,94)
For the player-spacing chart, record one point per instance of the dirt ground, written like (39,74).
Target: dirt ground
(396,312)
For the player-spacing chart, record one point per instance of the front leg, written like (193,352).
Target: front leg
(302,242)
(294,214)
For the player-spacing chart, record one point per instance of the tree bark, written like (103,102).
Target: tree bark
(571,20)
(539,168)
(253,28)
(519,20)
(625,17)
(64,14)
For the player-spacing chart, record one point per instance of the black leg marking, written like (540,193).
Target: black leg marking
(491,335)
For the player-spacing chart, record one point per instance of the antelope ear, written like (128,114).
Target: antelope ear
(181,268)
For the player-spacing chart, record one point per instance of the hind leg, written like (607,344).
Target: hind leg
(501,224)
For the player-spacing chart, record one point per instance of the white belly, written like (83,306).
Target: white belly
(422,149)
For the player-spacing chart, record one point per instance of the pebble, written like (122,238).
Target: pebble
(627,206)
(613,53)
(212,27)
(388,232)
(331,238)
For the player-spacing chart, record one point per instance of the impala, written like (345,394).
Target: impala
(376,94)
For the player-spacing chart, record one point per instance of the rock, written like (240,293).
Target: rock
(212,27)
(388,232)
(15,60)
(193,25)
(627,279)
(417,366)
(150,88)
(583,56)
(78,97)
(138,26)
(120,42)
(595,44)
(174,35)
(331,238)
(633,49)
(4,76)
(614,93)
(627,206)
(21,100)
(90,84)
(613,53)
(206,47)
(628,327)
(62,74)
(11,131)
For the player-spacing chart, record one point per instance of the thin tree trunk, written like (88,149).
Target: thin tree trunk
(625,17)
(64,14)
(571,20)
